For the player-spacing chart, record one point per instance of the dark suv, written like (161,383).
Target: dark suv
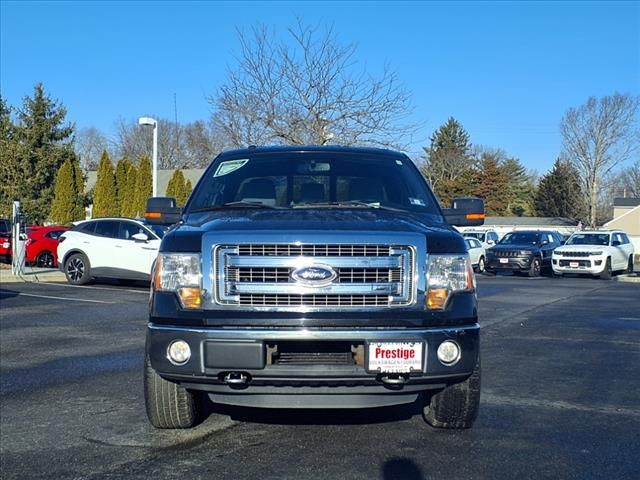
(314,277)
(523,251)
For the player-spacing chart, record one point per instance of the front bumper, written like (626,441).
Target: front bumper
(593,265)
(305,385)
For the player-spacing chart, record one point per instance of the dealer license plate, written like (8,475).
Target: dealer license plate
(574,264)
(504,260)
(395,357)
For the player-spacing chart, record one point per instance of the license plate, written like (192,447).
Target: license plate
(574,264)
(395,357)
(504,260)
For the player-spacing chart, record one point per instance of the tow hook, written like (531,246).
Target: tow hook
(236,378)
(394,379)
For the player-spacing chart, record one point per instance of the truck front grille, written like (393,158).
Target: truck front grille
(261,275)
(573,254)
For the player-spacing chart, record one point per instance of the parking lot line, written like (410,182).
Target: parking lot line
(20,294)
(92,287)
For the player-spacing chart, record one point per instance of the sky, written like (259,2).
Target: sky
(507,71)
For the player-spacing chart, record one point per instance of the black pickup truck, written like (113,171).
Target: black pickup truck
(314,277)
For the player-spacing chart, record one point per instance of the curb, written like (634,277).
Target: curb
(628,278)
(32,275)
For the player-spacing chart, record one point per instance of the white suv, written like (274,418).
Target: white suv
(108,247)
(488,238)
(597,252)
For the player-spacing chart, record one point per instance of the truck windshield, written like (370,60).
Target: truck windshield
(520,238)
(313,180)
(589,239)
(478,235)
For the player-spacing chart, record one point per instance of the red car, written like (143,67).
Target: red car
(42,245)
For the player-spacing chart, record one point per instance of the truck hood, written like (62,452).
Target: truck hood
(441,238)
(515,246)
(581,248)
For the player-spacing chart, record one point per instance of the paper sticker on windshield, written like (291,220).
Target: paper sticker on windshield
(416,201)
(230,166)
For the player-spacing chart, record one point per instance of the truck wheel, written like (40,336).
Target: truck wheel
(536,267)
(168,405)
(457,405)
(607,272)
(77,269)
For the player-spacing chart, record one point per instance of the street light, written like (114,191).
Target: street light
(153,123)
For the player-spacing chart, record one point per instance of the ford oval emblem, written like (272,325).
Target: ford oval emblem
(314,275)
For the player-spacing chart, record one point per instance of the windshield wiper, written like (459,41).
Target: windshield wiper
(350,203)
(240,204)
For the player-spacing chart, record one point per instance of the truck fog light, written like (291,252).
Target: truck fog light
(179,352)
(449,352)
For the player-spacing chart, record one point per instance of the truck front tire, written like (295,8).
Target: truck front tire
(168,404)
(455,407)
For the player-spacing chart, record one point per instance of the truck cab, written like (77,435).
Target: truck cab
(314,277)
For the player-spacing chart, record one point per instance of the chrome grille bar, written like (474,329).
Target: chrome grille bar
(261,275)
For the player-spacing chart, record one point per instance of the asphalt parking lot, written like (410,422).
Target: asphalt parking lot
(560,396)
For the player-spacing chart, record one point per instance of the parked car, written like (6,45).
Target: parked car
(477,252)
(596,252)
(524,251)
(42,245)
(121,248)
(487,237)
(5,240)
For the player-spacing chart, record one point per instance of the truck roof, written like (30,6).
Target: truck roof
(259,150)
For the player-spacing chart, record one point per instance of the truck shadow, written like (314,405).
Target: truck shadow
(306,416)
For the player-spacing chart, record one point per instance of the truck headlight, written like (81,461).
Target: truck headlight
(179,273)
(447,274)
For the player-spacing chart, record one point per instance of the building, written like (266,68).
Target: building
(502,225)
(626,217)
(164,176)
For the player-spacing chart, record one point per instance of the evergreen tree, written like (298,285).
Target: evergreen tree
(175,184)
(188,188)
(448,160)
(520,188)
(104,196)
(144,186)
(64,205)
(8,160)
(122,170)
(177,187)
(129,205)
(491,183)
(33,151)
(78,176)
(560,193)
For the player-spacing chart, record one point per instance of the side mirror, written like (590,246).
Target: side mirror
(465,212)
(616,243)
(140,237)
(491,242)
(162,211)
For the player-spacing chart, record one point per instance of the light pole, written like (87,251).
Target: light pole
(151,122)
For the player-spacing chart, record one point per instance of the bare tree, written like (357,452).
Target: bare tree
(309,90)
(179,146)
(89,145)
(628,182)
(597,137)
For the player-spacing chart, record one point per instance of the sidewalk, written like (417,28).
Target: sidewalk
(34,275)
